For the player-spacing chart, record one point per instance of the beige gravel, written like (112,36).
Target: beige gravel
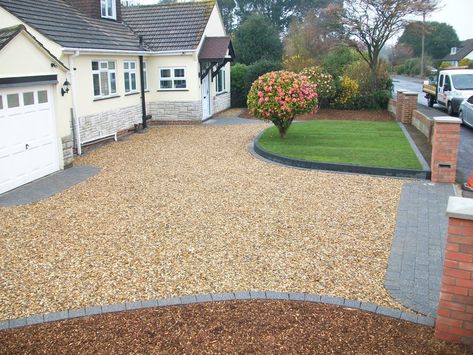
(187,210)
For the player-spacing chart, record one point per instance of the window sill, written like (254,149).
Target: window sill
(106,98)
(221,93)
(165,90)
(132,93)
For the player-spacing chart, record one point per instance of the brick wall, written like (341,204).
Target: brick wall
(221,102)
(406,103)
(423,123)
(91,8)
(109,122)
(455,310)
(175,110)
(445,141)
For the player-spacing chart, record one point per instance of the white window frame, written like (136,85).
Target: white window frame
(221,75)
(130,72)
(105,5)
(145,75)
(103,67)
(172,78)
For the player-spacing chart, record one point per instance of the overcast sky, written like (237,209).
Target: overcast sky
(457,13)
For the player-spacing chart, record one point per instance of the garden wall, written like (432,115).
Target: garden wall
(423,123)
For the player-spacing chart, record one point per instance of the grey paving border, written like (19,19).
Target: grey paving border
(347,168)
(219,297)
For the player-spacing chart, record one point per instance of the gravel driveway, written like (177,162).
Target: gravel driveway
(187,210)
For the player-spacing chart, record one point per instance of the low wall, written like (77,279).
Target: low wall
(423,123)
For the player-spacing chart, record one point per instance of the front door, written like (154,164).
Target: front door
(206,110)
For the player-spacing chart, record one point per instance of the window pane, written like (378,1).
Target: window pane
(1,102)
(179,73)
(103,65)
(165,73)
(127,82)
(104,13)
(132,65)
(110,10)
(95,65)
(179,84)
(13,100)
(144,65)
(42,96)
(145,80)
(113,83)
(133,81)
(126,65)
(111,65)
(166,84)
(104,84)
(28,98)
(96,85)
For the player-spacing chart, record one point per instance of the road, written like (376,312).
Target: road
(465,151)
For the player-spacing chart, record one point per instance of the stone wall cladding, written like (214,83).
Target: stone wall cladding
(392,107)
(221,102)
(423,123)
(109,122)
(175,110)
(67,150)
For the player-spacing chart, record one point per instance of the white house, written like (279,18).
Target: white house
(457,54)
(74,71)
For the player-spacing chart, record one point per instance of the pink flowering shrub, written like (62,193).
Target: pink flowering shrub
(280,96)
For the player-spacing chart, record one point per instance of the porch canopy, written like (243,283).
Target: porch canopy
(215,53)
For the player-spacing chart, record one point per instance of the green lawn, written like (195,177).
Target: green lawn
(380,144)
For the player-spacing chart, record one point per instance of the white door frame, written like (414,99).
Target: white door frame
(206,98)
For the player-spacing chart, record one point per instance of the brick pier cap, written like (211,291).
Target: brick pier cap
(461,208)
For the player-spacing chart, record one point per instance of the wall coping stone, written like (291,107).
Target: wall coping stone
(447,119)
(410,93)
(459,207)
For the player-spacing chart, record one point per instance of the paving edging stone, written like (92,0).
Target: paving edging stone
(219,297)
(347,168)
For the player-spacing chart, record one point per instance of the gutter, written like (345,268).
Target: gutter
(75,120)
(67,50)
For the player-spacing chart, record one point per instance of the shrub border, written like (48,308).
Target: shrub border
(424,174)
(219,297)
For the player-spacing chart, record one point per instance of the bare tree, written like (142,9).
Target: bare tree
(371,23)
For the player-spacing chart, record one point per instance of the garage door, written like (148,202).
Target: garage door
(28,147)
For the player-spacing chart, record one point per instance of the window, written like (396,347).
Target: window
(42,96)
(172,78)
(1,102)
(441,81)
(130,76)
(108,8)
(470,100)
(28,98)
(13,100)
(453,50)
(220,83)
(105,78)
(145,76)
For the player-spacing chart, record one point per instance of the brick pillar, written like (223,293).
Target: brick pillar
(445,141)
(455,310)
(405,106)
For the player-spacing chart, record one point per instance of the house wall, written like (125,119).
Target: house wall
(16,60)
(470,56)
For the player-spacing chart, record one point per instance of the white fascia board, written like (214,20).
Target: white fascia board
(67,50)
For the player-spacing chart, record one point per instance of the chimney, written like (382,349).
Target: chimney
(93,8)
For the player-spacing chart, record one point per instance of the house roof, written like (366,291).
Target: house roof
(7,34)
(216,48)
(170,27)
(68,27)
(465,49)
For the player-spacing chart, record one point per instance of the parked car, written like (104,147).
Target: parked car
(466,112)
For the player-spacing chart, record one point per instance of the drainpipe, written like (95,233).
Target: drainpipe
(75,120)
(142,85)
